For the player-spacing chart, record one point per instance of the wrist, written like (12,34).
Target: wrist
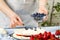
(42,3)
(42,9)
(10,15)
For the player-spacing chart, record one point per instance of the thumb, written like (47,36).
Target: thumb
(45,18)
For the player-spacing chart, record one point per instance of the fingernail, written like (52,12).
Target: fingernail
(23,24)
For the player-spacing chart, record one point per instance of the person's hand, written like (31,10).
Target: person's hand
(42,9)
(15,21)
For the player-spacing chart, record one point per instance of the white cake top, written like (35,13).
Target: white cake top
(27,32)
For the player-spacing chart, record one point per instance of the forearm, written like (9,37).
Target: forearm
(4,8)
(42,3)
(42,6)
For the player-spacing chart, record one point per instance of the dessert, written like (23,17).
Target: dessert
(20,33)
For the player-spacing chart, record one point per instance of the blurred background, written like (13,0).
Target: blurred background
(53,7)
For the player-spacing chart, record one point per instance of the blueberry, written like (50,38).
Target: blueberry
(38,16)
(33,15)
(26,28)
(37,13)
(43,14)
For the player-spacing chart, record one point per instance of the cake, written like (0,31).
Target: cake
(26,32)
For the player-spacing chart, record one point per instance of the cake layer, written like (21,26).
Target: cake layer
(21,32)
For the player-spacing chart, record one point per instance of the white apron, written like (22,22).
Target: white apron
(24,8)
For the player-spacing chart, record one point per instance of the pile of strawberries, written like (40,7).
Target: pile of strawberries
(44,36)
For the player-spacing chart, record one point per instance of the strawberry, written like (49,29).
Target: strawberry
(40,36)
(48,34)
(45,36)
(57,32)
(32,37)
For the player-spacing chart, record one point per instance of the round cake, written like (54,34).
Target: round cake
(26,32)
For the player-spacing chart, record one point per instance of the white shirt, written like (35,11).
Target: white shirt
(24,6)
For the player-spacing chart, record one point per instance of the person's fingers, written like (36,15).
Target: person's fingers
(19,24)
(45,11)
(15,23)
(19,21)
(41,11)
(45,18)
(11,24)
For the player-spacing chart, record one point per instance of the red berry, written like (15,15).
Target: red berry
(45,36)
(53,35)
(40,36)
(35,36)
(48,34)
(49,39)
(32,37)
(45,32)
(57,32)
